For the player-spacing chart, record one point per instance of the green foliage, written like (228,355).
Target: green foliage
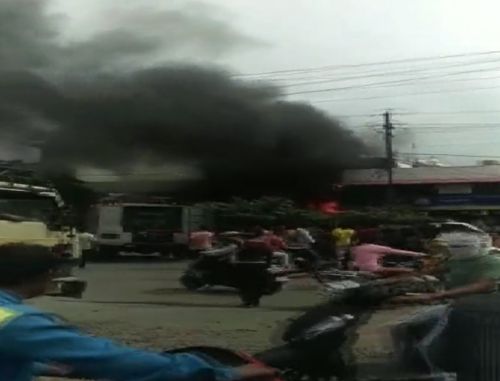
(266,211)
(270,211)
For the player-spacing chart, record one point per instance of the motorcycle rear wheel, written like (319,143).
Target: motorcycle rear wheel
(192,282)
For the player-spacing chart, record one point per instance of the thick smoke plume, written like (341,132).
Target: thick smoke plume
(242,138)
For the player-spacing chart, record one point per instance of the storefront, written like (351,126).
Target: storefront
(469,193)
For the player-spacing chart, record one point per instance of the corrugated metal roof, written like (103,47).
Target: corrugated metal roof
(423,175)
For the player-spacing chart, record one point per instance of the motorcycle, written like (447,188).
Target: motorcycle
(402,261)
(315,346)
(314,353)
(456,342)
(218,268)
(303,258)
(317,343)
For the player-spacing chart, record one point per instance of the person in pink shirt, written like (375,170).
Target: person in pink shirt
(201,240)
(368,257)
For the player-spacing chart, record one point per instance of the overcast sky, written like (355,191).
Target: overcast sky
(279,35)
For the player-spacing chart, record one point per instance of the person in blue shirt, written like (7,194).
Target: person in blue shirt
(34,343)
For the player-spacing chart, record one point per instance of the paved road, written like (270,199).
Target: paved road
(143,304)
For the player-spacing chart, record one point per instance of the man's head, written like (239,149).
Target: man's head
(26,269)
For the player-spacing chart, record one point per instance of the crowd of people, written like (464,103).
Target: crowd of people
(464,258)
(270,244)
(466,261)
(348,248)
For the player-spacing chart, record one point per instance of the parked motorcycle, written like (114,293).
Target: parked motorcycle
(218,268)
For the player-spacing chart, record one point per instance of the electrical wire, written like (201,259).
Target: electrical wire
(462,112)
(402,95)
(448,154)
(395,73)
(457,124)
(394,82)
(469,143)
(379,63)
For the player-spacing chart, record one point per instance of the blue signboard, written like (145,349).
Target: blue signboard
(464,199)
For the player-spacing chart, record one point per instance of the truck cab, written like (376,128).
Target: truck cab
(33,212)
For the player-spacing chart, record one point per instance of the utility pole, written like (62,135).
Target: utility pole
(389,155)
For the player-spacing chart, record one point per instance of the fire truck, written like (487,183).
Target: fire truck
(143,225)
(32,211)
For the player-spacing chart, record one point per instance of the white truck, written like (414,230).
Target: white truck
(33,212)
(143,225)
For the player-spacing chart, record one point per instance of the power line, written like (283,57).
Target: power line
(393,82)
(394,73)
(375,72)
(308,79)
(408,82)
(469,143)
(451,127)
(463,112)
(388,62)
(429,130)
(449,130)
(356,116)
(403,95)
(458,124)
(444,126)
(417,113)
(444,131)
(449,154)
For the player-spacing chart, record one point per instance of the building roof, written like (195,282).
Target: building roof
(424,175)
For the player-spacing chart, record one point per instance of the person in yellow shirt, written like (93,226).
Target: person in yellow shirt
(343,238)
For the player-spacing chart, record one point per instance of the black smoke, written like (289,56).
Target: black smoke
(239,137)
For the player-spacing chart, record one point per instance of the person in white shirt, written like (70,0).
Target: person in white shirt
(301,242)
(87,242)
(304,238)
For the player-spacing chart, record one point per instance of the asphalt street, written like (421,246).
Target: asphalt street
(141,303)
(144,304)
